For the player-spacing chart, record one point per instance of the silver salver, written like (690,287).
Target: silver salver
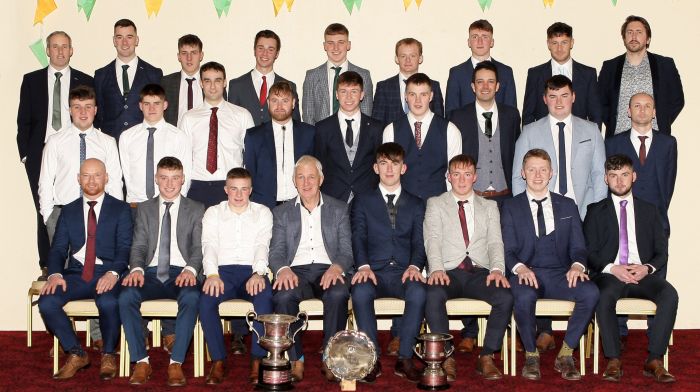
(350,355)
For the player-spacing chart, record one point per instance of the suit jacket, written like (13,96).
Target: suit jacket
(260,157)
(286,233)
(171,85)
(668,91)
(116,112)
(340,178)
(388,106)
(188,232)
(112,242)
(316,102)
(585,82)
(508,124)
(519,235)
(459,86)
(603,240)
(587,159)
(241,92)
(376,243)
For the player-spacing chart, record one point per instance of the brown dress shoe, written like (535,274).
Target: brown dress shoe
(567,367)
(531,369)
(655,368)
(73,364)
(168,343)
(237,345)
(373,374)
(141,373)
(176,378)
(217,373)
(326,372)
(97,345)
(405,368)
(297,371)
(254,370)
(466,345)
(487,368)
(450,368)
(393,348)
(614,370)
(108,367)
(545,342)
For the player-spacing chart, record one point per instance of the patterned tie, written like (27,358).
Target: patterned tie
(405,103)
(562,160)
(488,131)
(419,142)
(541,227)
(466,264)
(163,271)
(643,149)
(56,110)
(213,136)
(336,104)
(349,137)
(624,243)
(391,209)
(263,91)
(89,267)
(83,148)
(190,93)
(150,188)
(125,80)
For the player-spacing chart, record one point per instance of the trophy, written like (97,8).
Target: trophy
(432,352)
(275,370)
(350,356)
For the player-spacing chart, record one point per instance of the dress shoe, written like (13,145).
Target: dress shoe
(566,365)
(531,369)
(168,343)
(108,367)
(655,368)
(237,345)
(466,345)
(623,343)
(141,373)
(176,378)
(450,368)
(44,274)
(216,373)
(545,342)
(405,368)
(393,348)
(487,368)
(373,374)
(326,372)
(60,351)
(254,370)
(98,345)
(297,371)
(73,364)
(614,370)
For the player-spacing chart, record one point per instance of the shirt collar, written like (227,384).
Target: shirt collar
(426,119)
(343,66)
(616,199)
(475,61)
(634,135)
(385,192)
(356,117)
(184,75)
(99,200)
(247,211)
(52,71)
(88,132)
(402,77)
(297,200)
(220,105)
(176,201)
(553,121)
(568,64)
(131,63)
(479,110)
(530,197)
(258,75)
(469,199)
(159,125)
(278,127)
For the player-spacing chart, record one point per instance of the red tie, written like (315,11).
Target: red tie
(643,149)
(466,264)
(89,267)
(213,135)
(418,134)
(190,94)
(263,92)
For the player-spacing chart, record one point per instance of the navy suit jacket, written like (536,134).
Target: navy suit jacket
(241,92)
(388,107)
(116,112)
(585,81)
(668,91)
(459,86)
(260,158)
(112,242)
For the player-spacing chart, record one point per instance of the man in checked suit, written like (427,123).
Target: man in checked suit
(320,83)
(183,89)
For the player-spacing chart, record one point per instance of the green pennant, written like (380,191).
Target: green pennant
(86,6)
(39,52)
(614,2)
(222,6)
(350,3)
(485,4)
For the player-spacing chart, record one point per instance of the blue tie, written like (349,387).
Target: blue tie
(163,269)
(150,188)
(83,149)
(562,159)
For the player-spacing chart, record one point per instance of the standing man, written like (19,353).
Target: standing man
(43,111)
(320,83)
(118,83)
(183,89)
(252,89)
(390,98)
(639,70)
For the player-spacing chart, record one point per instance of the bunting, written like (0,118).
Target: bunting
(349,4)
(614,3)
(407,3)
(548,3)
(43,8)
(86,6)
(153,7)
(222,6)
(484,4)
(39,52)
(277,4)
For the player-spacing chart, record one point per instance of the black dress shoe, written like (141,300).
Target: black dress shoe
(406,369)
(614,370)
(567,367)
(655,368)
(237,345)
(373,374)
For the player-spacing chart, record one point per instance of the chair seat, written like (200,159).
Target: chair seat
(554,307)
(235,308)
(467,307)
(635,306)
(159,308)
(81,308)
(388,306)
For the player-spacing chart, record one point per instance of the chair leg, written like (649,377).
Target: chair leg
(513,335)
(504,352)
(55,354)
(87,333)
(589,340)
(596,345)
(582,355)
(155,324)
(125,369)
(29,318)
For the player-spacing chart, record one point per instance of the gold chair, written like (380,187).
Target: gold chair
(84,308)
(34,291)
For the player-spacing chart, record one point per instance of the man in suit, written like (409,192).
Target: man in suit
(89,252)
(252,89)
(465,257)
(560,41)
(639,70)
(346,143)
(272,148)
(310,255)
(387,239)
(166,257)
(545,256)
(390,97)
(459,92)
(627,247)
(44,110)
(183,89)
(118,83)
(320,83)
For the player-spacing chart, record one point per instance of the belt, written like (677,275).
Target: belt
(488,194)
(133,204)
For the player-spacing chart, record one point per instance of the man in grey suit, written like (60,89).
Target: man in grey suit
(310,255)
(183,90)
(320,83)
(166,257)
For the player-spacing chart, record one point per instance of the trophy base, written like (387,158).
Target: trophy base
(441,387)
(275,378)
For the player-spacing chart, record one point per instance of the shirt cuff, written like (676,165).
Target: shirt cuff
(653,270)
(497,269)
(363,266)
(608,268)
(516,268)
(280,270)
(56,274)
(580,264)
(24,159)
(137,269)
(191,269)
(113,273)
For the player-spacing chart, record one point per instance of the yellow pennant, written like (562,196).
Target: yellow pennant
(153,6)
(549,3)
(277,4)
(407,3)
(43,8)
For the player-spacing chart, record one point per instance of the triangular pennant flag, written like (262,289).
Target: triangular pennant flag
(277,4)
(39,52)
(484,4)
(222,6)
(549,3)
(86,6)
(43,8)
(614,2)
(153,6)
(350,3)
(407,3)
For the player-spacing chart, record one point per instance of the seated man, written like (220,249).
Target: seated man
(310,253)
(166,258)
(389,256)
(94,234)
(627,245)
(235,240)
(546,256)
(465,258)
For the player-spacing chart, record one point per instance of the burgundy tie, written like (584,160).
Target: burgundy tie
(419,142)
(643,149)
(190,95)
(466,264)
(213,135)
(263,92)
(89,267)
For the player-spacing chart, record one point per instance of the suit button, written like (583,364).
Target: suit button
(126,123)
(126,106)
(351,171)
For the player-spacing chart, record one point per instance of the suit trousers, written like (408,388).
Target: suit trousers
(208,193)
(42,236)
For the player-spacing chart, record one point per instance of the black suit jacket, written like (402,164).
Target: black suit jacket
(241,92)
(388,107)
(171,85)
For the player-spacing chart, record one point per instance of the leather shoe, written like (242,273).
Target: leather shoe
(450,368)
(545,342)
(254,370)
(168,343)
(237,345)
(216,373)
(73,364)
(466,345)
(97,345)
(326,372)
(405,368)
(108,366)
(566,365)
(44,274)
(393,348)
(614,370)
(297,371)
(142,372)
(176,378)
(487,368)
(655,368)
(373,374)
(623,343)
(531,369)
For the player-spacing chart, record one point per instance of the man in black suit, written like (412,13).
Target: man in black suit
(45,91)
(636,71)
(183,91)
(627,247)
(560,41)
(252,89)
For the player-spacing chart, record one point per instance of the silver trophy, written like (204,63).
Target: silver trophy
(433,351)
(350,356)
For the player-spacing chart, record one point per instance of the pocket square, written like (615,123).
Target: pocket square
(566,217)
(584,141)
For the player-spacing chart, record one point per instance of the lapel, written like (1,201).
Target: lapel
(139,76)
(548,72)
(326,223)
(182,223)
(294,223)
(395,84)
(576,68)
(152,220)
(363,142)
(526,216)
(322,75)
(557,212)
(618,75)
(111,77)
(80,226)
(479,216)
(102,219)
(545,136)
(43,92)
(654,73)
(249,90)
(504,125)
(611,220)
(382,210)
(577,136)
(269,141)
(336,139)
(297,136)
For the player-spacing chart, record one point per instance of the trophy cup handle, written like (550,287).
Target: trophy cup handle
(305,316)
(417,353)
(450,351)
(250,320)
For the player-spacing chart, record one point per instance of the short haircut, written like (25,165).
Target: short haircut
(557,82)
(481,24)
(82,93)
(212,65)
(558,29)
(537,153)
(409,41)
(169,163)
(634,18)
(486,64)
(617,162)
(125,23)
(335,29)
(308,160)
(152,89)
(419,78)
(391,151)
(351,78)
(238,172)
(59,32)
(281,87)
(463,160)
(642,93)
(267,34)
(191,40)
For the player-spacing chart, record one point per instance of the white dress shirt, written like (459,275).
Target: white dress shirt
(468,208)
(634,138)
(80,254)
(257,80)
(356,123)
(284,159)
(197,95)
(565,69)
(130,72)
(476,61)
(402,90)
(568,135)
(482,120)
(65,106)
(633,251)
(331,76)
(311,248)
(176,258)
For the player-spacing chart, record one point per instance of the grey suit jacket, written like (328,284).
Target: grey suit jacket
(286,233)
(316,102)
(587,159)
(444,243)
(241,92)
(146,229)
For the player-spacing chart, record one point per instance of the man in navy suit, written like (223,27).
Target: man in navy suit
(546,257)
(34,125)
(346,142)
(390,97)
(118,83)
(94,235)
(459,92)
(183,89)
(560,41)
(387,239)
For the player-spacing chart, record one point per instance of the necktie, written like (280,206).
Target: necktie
(624,244)
(419,142)
(125,79)
(391,209)
(56,110)
(349,137)
(488,131)
(284,137)
(405,103)
(541,227)
(150,188)
(643,149)
(89,267)
(190,94)
(162,273)
(336,104)
(263,91)
(562,159)
(466,264)
(83,148)
(212,146)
